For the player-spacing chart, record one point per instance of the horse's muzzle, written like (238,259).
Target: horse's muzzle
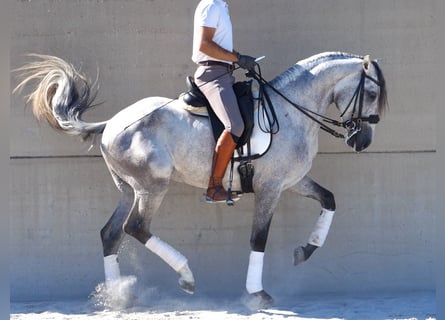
(359,138)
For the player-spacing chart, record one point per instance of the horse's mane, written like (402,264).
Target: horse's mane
(313,61)
(383,97)
(303,69)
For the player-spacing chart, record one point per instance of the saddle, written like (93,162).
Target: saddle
(198,104)
(196,99)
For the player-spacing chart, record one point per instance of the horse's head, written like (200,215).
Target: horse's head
(361,99)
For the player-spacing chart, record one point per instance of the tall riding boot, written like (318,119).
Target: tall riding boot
(221,158)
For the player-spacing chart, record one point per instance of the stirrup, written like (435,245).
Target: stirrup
(230,199)
(230,202)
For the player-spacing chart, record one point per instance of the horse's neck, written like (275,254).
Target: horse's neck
(312,85)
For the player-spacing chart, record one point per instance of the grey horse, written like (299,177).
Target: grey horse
(155,141)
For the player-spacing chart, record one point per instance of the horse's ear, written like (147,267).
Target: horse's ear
(366,63)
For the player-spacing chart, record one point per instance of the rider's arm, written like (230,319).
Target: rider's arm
(212,49)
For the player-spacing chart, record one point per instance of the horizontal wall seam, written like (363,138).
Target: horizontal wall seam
(55,157)
(381,152)
(320,153)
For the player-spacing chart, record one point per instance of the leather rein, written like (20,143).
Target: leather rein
(353,125)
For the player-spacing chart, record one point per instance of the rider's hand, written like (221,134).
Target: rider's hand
(246,62)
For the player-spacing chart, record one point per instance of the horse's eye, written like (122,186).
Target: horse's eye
(372,95)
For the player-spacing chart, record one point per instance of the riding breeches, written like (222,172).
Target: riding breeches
(216,83)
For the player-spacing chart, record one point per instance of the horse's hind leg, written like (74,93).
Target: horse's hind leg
(112,233)
(309,188)
(138,223)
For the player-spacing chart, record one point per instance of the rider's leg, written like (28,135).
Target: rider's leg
(216,83)
(221,158)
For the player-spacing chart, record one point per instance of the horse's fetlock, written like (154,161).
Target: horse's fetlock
(328,200)
(301,254)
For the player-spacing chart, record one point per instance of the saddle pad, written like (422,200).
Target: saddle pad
(259,142)
(197,111)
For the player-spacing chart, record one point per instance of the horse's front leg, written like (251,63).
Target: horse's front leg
(266,201)
(309,188)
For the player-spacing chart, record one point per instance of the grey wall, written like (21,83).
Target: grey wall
(61,195)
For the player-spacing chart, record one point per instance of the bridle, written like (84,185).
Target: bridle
(353,125)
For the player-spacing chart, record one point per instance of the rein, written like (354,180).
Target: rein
(353,125)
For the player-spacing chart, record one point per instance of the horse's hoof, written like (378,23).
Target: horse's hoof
(299,256)
(188,287)
(116,294)
(258,300)
(186,280)
(132,301)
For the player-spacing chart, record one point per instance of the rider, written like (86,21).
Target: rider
(213,53)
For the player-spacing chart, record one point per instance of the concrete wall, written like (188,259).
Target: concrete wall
(61,195)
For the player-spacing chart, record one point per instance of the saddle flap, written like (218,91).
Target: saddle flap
(194,96)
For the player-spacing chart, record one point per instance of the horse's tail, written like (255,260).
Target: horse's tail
(61,96)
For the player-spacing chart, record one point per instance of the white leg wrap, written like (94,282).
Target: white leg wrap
(318,236)
(254,281)
(186,274)
(111,268)
(167,253)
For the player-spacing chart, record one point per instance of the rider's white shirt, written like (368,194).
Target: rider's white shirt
(213,14)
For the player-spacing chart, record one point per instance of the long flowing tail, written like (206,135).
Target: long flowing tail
(61,96)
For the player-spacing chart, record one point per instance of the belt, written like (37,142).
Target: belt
(216,63)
